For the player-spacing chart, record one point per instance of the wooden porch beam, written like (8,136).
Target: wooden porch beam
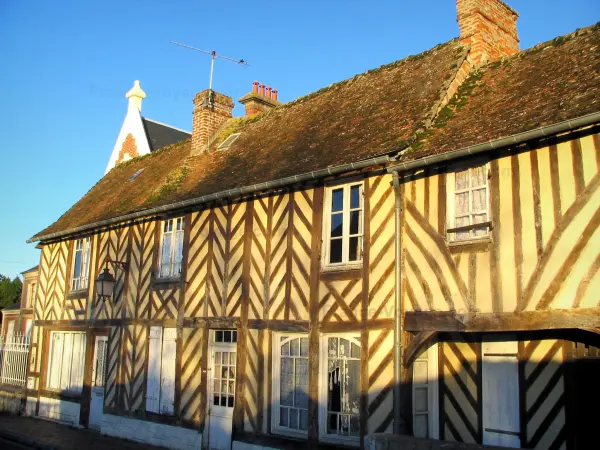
(496,322)
(415,346)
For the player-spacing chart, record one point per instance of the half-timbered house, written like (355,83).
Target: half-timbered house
(413,250)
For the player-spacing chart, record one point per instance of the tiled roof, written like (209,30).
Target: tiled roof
(375,113)
(33,269)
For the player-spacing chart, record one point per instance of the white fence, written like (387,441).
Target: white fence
(13,359)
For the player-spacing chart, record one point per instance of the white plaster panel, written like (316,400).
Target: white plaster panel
(60,410)
(151,433)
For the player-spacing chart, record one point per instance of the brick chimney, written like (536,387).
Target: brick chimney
(489,27)
(211,111)
(259,100)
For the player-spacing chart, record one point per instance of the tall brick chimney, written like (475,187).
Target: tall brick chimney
(489,27)
(211,111)
(259,101)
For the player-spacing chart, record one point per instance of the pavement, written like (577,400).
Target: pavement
(19,433)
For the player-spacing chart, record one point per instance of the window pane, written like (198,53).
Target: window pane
(336,225)
(337,200)
(354,250)
(461,205)
(355,196)
(301,397)
(479,200)
(353,387)
(478,176)
(295,347)
(166,256)
(304,419)
(283,417)
(77,265)
(421,426)
(294,418)
(480,218)
(287,382)
(421,399)
(285,349)
(304,347)
(461,180)
(355,222)
(335,252)
(355,351)
(461,222)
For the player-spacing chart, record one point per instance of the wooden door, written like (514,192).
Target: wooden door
(500,394)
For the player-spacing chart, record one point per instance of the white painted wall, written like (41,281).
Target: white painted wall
(151,433)
(60,410)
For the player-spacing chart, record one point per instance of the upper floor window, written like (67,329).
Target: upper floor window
(290,384)
(468,204)
(340,392)
(171,254)
(81,264)
(343,225)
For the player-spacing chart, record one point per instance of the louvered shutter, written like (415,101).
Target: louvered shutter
(154,362)
(167,382)
(67,356)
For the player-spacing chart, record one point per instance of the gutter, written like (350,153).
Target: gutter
(515,139)
(246,190)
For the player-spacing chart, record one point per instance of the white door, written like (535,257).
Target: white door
(501,394)
(97,400)
(222,395)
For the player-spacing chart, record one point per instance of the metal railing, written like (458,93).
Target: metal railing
(14,349)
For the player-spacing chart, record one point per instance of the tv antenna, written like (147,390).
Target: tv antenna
(213,55)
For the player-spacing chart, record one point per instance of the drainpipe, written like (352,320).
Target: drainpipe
(399,307)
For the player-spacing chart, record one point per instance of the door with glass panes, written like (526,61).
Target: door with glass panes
(222,373)
(98,372)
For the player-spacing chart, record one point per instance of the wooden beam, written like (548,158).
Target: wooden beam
(508,321)
(416,345)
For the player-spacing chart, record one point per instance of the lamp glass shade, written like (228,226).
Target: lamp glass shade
(105,284)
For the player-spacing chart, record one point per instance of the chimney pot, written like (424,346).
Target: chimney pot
(269,91)
(262,90)
(274,94)
(255,87)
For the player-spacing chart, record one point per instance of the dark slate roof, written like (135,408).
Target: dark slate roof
(160,135)
(33,269)
(378,112)
(13,307)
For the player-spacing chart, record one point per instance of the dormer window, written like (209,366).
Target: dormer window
(343,225)
(171,253)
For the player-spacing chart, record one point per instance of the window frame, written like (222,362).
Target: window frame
(323,388)
(345,264)
(85,267)
(431,357)
(173,238)
(50,364)
(451,197)
(276,387)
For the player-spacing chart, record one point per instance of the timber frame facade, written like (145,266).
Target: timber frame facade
(468,310)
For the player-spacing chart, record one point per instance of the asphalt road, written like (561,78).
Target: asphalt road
(10,445)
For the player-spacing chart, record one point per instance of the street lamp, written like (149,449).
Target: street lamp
(105,283)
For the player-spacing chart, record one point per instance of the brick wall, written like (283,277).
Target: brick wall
(208,118)
(489,27)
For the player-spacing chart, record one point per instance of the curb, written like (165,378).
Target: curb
(19,439)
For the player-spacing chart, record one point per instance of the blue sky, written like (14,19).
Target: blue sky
(66,66)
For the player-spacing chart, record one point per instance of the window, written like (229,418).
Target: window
(340,388)
(468,204)
(81,264)
(172,248)
(425,394)
(67,356)
(290,384)
(343,225)
(224,361)
(30,294)
(160,390)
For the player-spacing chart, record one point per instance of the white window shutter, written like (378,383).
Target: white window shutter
(76,384)
(66,365)
(167,382)
(55,361)
(154,362)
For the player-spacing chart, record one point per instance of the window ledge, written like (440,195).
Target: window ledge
(481,244)
(79,293)
(166,281)
(342,268)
